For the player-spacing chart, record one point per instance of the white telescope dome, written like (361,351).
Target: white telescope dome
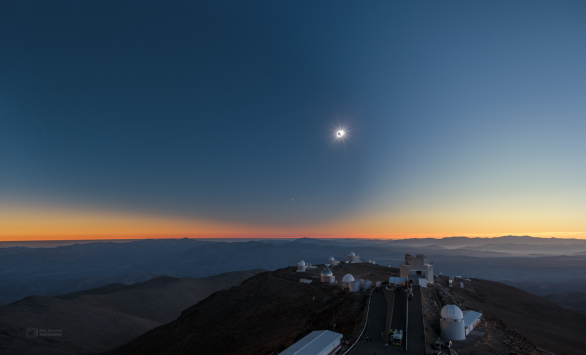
(326,272)
(352,254)
(452,312)
(347,278)
(302,263)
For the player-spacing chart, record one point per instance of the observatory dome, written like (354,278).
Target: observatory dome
(326,272)
(302,263)
(452,312)
(347,278)
(331,259)
(351,254)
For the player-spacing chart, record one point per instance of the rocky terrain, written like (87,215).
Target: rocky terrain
(98,319)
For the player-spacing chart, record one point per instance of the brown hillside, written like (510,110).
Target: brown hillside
(267,313)
(545,324)
(101,318)
(571,300)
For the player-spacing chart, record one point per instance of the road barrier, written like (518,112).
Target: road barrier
(365,323)
(407,323)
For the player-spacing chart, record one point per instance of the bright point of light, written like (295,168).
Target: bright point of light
(340,134)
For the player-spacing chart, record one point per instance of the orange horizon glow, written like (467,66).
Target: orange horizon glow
(22,223)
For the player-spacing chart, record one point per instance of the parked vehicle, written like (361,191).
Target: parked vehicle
(396,337)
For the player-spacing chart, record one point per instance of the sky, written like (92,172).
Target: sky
(144,119)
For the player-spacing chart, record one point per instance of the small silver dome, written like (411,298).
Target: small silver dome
(326,272)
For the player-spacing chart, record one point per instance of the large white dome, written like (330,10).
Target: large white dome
(347,278)
(452,312)
(326,272)
(302,263)
(331,258)
(352,254)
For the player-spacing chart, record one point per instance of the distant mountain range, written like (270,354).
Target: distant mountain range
(66,269)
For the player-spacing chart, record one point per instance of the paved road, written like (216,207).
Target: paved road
(399,319)
(415,333)
(376,325)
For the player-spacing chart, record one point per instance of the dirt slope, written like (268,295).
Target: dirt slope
(99,319)
(571,300)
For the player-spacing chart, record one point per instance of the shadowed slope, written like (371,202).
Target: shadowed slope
(101,318)
(264,314)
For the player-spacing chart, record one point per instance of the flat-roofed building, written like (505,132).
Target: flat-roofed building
(319,342)
(397,281)
(471,319)
(416,268)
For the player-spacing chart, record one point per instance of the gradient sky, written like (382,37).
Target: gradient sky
(217,118)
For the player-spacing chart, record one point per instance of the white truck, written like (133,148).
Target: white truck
(396,337)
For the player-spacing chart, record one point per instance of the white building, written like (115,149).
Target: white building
(327,276)
(346,280)
(452,323)
(354,286)
(320,342)
(301,266)
(417,268)
(353,258)
(471,319)
(455,324)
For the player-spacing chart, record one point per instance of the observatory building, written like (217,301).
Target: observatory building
(320,342)
(354,286)
(417,269)
(353,258)
(301,266)
(452,323)
(455,324)
(327,276)
(346,280)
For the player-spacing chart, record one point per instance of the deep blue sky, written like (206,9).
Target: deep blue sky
(226,110)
